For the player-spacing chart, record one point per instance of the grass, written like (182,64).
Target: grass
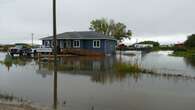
(182,54)
(187,53)
(10,97)
(7,97)
(131,69)
(127,68)
(123,69)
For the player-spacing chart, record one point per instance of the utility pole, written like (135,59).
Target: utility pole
(32,39)
(54,29)
(55,98)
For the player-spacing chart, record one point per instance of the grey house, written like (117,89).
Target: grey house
(83,43)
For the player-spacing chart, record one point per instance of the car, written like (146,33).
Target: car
(20,49)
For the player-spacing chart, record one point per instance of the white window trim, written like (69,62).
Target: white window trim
(74,44)
(95,46)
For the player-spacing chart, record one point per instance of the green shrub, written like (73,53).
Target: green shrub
(190,42)
(180,49)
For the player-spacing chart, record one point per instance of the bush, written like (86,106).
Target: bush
(190,42)
(180,49)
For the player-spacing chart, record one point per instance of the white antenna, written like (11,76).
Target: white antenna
(136,40)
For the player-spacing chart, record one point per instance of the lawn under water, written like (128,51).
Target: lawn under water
(92,83)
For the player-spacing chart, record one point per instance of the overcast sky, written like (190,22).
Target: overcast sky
(166,21)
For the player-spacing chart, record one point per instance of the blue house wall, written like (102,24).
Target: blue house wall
(110,46)
(88,44)
(106,46)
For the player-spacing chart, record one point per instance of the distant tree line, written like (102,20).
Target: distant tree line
(187,49)
(5,47)
(155,44)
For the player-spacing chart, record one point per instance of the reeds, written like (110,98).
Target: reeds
(127,68)
(134,69)
(10,98)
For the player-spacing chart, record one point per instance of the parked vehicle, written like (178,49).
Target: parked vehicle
(44,49)
(34,49)
(20,49)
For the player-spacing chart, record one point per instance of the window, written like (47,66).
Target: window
(76,43)
(96,44)
(47,44)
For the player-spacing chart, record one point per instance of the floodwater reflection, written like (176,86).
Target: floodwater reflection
(106,69)
(81,83)
(9,61)
(55,95)
(190,61)
(102,70)
(99,69)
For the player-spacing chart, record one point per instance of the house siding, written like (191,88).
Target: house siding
(110,46)
(88,44)
(106,46)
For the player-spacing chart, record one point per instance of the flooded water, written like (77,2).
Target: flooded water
(84,83)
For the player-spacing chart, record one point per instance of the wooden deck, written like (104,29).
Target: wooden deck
(50,56)
(70,53)
(81,52)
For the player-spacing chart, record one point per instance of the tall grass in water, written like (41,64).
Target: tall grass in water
(123,69)
(127,68)
(10,97)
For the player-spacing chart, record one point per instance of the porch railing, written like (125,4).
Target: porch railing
(84,52)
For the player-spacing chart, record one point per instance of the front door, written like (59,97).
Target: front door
(67,44)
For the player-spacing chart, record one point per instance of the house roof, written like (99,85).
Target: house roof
(80,35)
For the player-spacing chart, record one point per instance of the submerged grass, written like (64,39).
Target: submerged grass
(134,69)
(7,97)
(127,68)
(190,52)
(11,97)
(183,53)
(11,102)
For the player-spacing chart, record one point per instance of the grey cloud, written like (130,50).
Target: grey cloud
(19,18)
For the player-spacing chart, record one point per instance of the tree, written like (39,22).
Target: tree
(99,25)
(190,42)
(110,28)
